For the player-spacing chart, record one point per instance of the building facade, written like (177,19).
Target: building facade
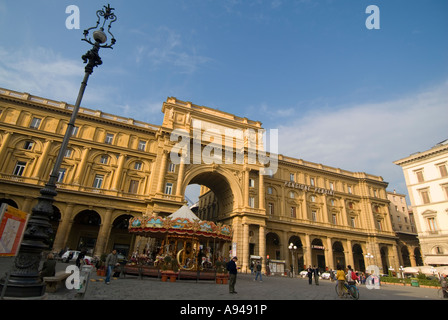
(116,168)
(426,176)
(403,223)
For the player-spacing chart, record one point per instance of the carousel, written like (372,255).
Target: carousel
(184,244)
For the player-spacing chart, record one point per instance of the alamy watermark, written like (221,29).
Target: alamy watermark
(225,146)
(73,281)
(73,20)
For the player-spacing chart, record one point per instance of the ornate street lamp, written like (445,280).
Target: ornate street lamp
(23,280)
(293,249)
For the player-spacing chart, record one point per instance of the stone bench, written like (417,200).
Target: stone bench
(55,282)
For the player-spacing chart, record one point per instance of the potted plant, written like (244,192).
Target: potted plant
(101,266)
(169,269)
(221,273)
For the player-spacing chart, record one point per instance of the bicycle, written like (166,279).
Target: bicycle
(349,290)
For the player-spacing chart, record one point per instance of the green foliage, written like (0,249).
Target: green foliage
(422,280)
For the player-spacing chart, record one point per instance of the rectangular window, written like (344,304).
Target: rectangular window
(349,189)
(109,138)
(443,170)
(379,225)
(138,165)
(28,145)
(424,194)
(35,123)
(133,186)
(291,177)
(352,222)
(252,202)
(98,181)
(432,224)
(334,219)
(168,188)
(251,183)
(313,215)
(104,158)
(419,175)
(312,181)
(171,167)
(142,145)
(293,212)
(19,168)
(271,208)
(61,175)
(332,186)
(269,190)
(445,190)
(75,131)
(68,153)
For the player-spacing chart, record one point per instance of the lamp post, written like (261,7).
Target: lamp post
(401,269)
(23,280)
(368,256)
(293,248)
(391,271)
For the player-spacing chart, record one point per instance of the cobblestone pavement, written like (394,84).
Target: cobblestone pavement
(272,288)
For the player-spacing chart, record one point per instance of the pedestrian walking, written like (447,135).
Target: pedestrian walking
(258,272)
(331,275)
(310,272)
(316,274)
(231,267)
(111,262)
(340,277)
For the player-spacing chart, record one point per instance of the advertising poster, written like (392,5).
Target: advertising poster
(12,227)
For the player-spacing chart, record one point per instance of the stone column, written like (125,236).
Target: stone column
(307,251)
(4,147)
(350,260)
(80,170)
(162,172)
(103,234)
(262,247)
(118,172)
(261,201)
(245,250)
(329,259)
(180,176)
(64,228)
(42,161)
(246,187)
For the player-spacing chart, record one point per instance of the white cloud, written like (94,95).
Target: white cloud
(369,137)
(165,48)
(39,72)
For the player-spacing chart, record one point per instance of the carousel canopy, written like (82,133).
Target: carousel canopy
(185,213)
(181,222)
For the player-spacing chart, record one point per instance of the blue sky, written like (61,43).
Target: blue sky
(339,93)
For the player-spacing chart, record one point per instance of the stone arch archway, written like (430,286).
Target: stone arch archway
(84,231)
(338,254)
(318,253)
(120,238)
(273,246)
(297,255)
(405,256)
(224,183)
(358,257)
